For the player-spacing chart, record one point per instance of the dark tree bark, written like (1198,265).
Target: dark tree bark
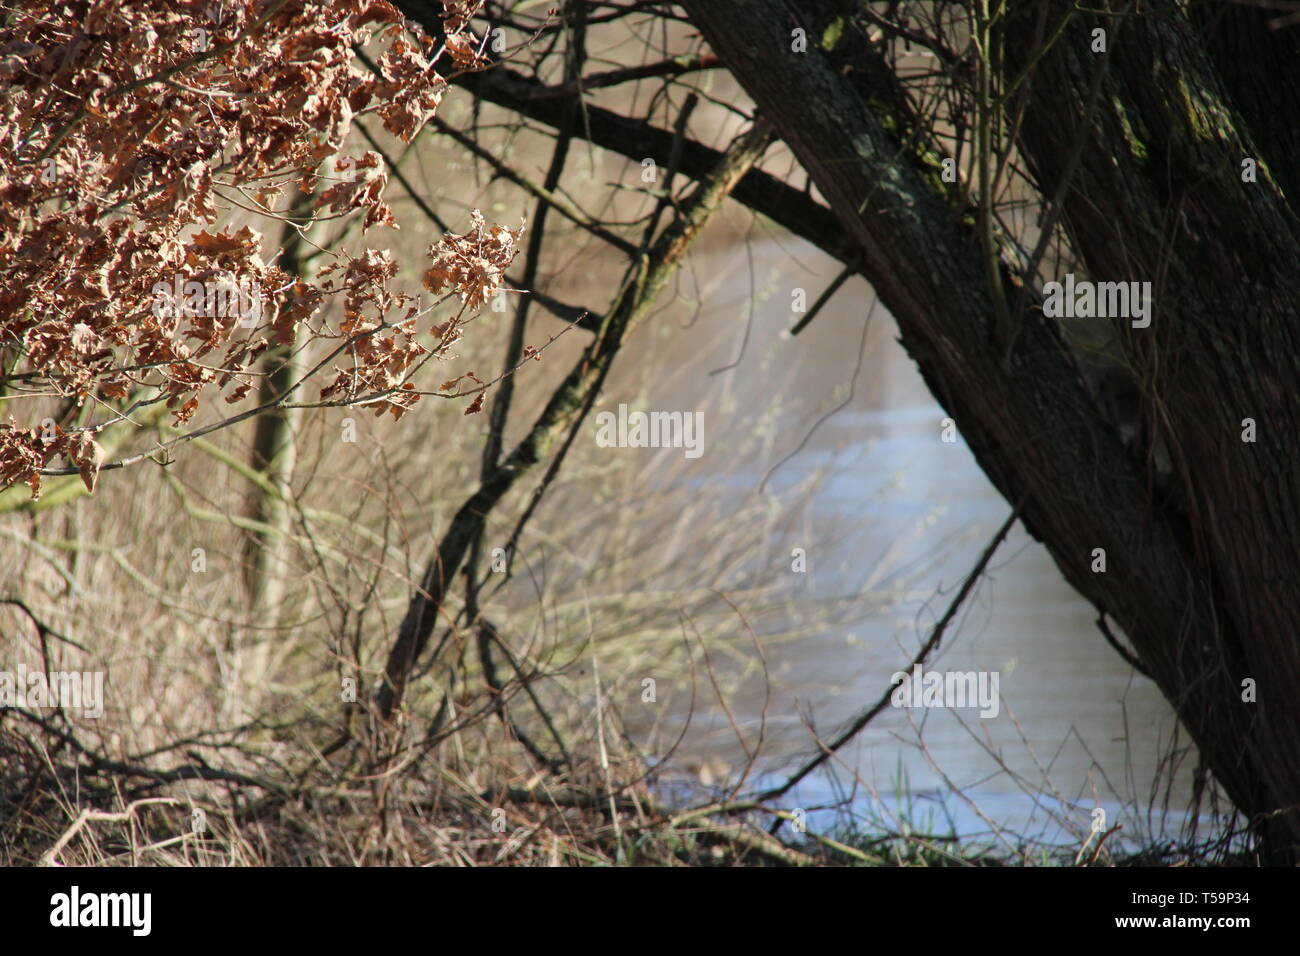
(1206,594)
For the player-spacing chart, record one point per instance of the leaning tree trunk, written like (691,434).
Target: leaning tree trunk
(1206,592)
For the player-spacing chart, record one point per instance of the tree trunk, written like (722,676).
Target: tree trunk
(275,453)
(1205,594)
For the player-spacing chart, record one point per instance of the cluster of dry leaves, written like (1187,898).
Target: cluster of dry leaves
(129,129)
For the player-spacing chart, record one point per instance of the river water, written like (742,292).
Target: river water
(899,520)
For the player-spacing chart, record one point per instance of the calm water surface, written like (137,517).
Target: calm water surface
(900,519)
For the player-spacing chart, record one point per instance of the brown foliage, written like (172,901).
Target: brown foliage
(128,130)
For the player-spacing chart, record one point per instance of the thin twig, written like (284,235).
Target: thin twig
(935,636)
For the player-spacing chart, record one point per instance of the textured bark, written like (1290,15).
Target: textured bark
(1257,67)
(275,452)
(1166,202)
(1206,597)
